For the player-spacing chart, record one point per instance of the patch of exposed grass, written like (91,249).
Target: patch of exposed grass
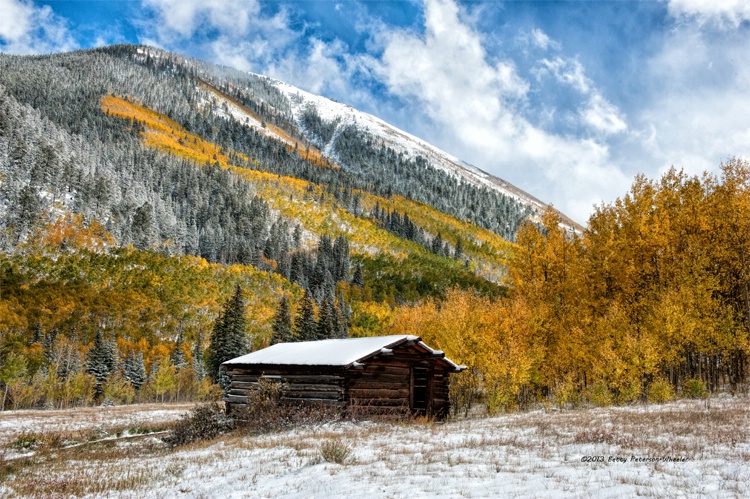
(335,451)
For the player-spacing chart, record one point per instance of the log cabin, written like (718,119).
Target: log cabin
(384,375)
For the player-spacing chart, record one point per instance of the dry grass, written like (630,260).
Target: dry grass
(105,420)
(531,453)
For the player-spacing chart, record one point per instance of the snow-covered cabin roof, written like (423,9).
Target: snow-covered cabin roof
(345,352)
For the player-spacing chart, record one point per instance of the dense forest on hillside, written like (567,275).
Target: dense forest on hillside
(66,89)
(134,211)
(650,302)
(118,253)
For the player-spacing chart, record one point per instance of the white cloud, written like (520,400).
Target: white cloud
(541,40)
(567,71)
(241,36)
(28,29)
(447,68)
(699,112)
(321,68)
(476,103)
(184,18)
(727,13)
(596,112)
(603,116)
(237,34)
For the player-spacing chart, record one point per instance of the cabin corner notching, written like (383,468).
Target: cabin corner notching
(384,375)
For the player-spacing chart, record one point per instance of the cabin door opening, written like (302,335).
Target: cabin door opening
(420,390)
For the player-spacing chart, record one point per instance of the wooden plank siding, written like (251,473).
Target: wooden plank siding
(300,385)
(406,380)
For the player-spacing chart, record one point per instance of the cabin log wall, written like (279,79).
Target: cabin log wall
(382,387)
(314,386)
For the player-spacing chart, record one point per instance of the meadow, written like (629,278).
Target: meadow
(685,448)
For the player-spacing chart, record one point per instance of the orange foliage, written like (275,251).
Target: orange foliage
(164,133)
(71,232)
(488,336)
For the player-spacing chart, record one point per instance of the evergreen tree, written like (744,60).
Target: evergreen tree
(341,258)
(37,336)
(305,325)
(100,361)
(49,340)
(134,369)
(282,323)
(344,316)
(229,337)
(357,279)
(318,277)
(326,320)
(458,253)
(198,367)
(437,244)
(178,356)
(328,290)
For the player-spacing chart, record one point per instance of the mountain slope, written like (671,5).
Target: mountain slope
(181,157)
(338,116)
(132,204)
(319,124)
(167,160)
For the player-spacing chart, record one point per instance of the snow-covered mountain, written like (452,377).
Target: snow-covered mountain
(339,116)
(331,111)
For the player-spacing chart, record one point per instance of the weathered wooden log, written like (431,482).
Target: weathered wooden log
(284,371)
(377,384)
(386,369)
(363,393)
(365,402)
(313,395)
(315,386)
(247,385)
(369,377)
(313,402)
(291,378)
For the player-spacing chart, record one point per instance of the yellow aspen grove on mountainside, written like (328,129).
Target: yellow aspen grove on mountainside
(489,338)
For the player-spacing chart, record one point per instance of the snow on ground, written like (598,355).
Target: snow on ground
(535,454)
(16,423)
(681,449)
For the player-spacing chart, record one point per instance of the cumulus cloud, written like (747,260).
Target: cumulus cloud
(728,13)
(28,29)
(698,113)
(476,105)
(236,34)
(602,116)
(241,35)
(183,18)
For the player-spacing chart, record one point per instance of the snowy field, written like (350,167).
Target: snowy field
(681,449)
(101,420)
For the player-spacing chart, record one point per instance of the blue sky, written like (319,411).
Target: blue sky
(569,100)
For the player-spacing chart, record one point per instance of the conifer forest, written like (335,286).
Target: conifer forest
(149,231)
